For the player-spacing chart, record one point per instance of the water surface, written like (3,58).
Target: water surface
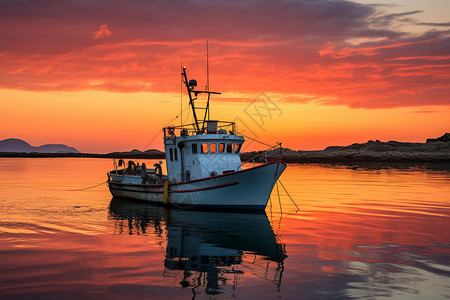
(360,234)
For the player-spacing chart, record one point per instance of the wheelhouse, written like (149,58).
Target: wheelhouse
(192,155)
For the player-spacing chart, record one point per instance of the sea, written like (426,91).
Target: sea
(329,232)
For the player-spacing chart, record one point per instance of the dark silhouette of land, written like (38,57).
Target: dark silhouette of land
(19,146)
(435,150)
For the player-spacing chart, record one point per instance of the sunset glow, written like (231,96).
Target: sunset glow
(104,77)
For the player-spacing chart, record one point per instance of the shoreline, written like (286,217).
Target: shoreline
(349,157)
(82,155)
(432,151)
(287,156)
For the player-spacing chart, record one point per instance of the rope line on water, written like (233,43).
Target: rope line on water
(87,188)
(288,195)
(263,152)
(279,199)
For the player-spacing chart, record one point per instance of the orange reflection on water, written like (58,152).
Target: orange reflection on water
(381,230)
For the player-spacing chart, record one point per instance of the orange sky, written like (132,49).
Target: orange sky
(103,77)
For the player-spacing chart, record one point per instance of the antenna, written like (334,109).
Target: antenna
(181,93)
(207,80)
(190,86)
(207,67)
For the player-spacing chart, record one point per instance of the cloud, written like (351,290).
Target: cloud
(385,20)
(447,24)
(104,31)
(342,52)
(329,48)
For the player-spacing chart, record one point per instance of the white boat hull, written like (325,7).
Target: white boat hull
(246,189)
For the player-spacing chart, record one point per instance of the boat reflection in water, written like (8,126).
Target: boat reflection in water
(206,249)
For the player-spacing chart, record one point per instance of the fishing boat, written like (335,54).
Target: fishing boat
(204,169)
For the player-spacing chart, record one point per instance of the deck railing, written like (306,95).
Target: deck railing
(205,128)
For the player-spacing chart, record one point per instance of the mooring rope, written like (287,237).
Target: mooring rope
(255,140)
(265,152)
(259,154)
(87,188)
(279,199)
(288,194)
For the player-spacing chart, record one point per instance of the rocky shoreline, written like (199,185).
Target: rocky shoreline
(135,154)
(433,151)
(351,156)
(382,152)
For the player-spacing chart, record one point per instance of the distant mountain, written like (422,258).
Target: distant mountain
(19,146)
(15,145)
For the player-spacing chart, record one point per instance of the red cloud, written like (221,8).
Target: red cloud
(104,31)
(284,47)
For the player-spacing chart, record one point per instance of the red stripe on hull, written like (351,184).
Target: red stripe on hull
(181,191)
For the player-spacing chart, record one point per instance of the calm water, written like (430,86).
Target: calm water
(359,234)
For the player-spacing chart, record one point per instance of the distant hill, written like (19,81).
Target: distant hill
(152,153)
(19,146)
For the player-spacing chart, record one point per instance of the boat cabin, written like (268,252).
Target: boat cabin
(192,155)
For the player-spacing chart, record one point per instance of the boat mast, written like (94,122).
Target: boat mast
(181,96)
(190,85)
(191,101)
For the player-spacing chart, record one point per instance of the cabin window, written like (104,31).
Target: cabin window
(204,148)
(194,148)
(175,152)
(229,148)
(213,148)
(171,154)
(222,147)
(238,148)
